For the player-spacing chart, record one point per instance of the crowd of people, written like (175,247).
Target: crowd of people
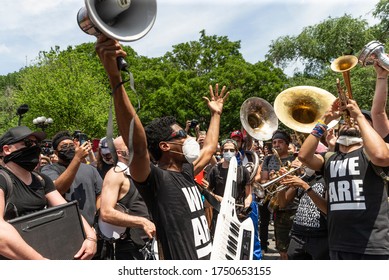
(156,191)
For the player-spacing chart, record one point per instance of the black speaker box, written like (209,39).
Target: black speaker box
(57,233)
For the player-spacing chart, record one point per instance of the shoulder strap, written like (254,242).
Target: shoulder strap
(378,169)
(327,156)
(9,183)
(40,178)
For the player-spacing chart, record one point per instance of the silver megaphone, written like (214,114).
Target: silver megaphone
(374,51)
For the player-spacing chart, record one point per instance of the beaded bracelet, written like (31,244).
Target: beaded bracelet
(319,130)
(381,78)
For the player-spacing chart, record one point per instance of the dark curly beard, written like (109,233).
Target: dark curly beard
(352,132)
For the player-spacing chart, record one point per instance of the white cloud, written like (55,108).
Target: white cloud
(4,49)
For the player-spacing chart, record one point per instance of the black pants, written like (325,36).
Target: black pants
(127,250)
(264,220)
(338,255)
(308,248)
(120,250)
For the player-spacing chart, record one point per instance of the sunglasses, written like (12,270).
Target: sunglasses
(228,150)
(29,142)
(66,146)
(177,134)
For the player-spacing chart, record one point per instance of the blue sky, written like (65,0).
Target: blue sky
(30,26)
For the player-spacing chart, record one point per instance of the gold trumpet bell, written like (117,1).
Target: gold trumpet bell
(344,63)
(258,118)
(300,107)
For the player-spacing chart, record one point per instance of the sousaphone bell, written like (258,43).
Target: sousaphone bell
(258,118)
(300,107)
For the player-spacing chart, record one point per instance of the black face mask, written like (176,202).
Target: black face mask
(67,154)
(27,157)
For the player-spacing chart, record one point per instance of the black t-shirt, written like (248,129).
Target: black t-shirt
(177,210)
(357,205)
(26,199)
(217,178)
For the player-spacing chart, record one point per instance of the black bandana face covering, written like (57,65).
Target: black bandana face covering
(27,157)
(67,154)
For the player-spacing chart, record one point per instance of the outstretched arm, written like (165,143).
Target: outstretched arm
(378,108)
(215,105)
(108,50)
(374,145)
(307,151)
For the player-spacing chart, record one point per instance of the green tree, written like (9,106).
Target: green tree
(316,46)
(66,86)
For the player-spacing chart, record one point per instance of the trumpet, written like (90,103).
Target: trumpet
(272,187)
(343,100)
(343,65)
(267,185)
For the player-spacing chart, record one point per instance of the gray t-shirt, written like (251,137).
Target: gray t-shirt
(85,187)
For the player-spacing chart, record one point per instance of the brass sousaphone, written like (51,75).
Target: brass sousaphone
(258,118)
(300,107)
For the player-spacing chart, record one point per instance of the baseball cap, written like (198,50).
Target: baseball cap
(367,115)
(236,133)
(103,145)
(16,134)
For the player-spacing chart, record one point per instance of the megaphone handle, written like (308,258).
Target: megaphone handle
(122,64)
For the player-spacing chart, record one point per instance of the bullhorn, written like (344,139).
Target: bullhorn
(122,20)
(258,118)
(374,51)
(300,107)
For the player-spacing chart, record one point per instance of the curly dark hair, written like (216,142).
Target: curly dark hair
(158,130)
(61,135)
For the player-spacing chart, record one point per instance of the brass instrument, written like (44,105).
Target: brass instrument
(260,122)
(343,100)
(272,187)
(300,107)
(258,118)
(344,64)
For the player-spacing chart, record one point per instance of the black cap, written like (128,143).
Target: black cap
(367,115)
(17,134)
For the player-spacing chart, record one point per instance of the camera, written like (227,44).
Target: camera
(82,138)
(47,148)
(193,123)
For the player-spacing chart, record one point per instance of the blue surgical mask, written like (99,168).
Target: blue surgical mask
(228,155)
